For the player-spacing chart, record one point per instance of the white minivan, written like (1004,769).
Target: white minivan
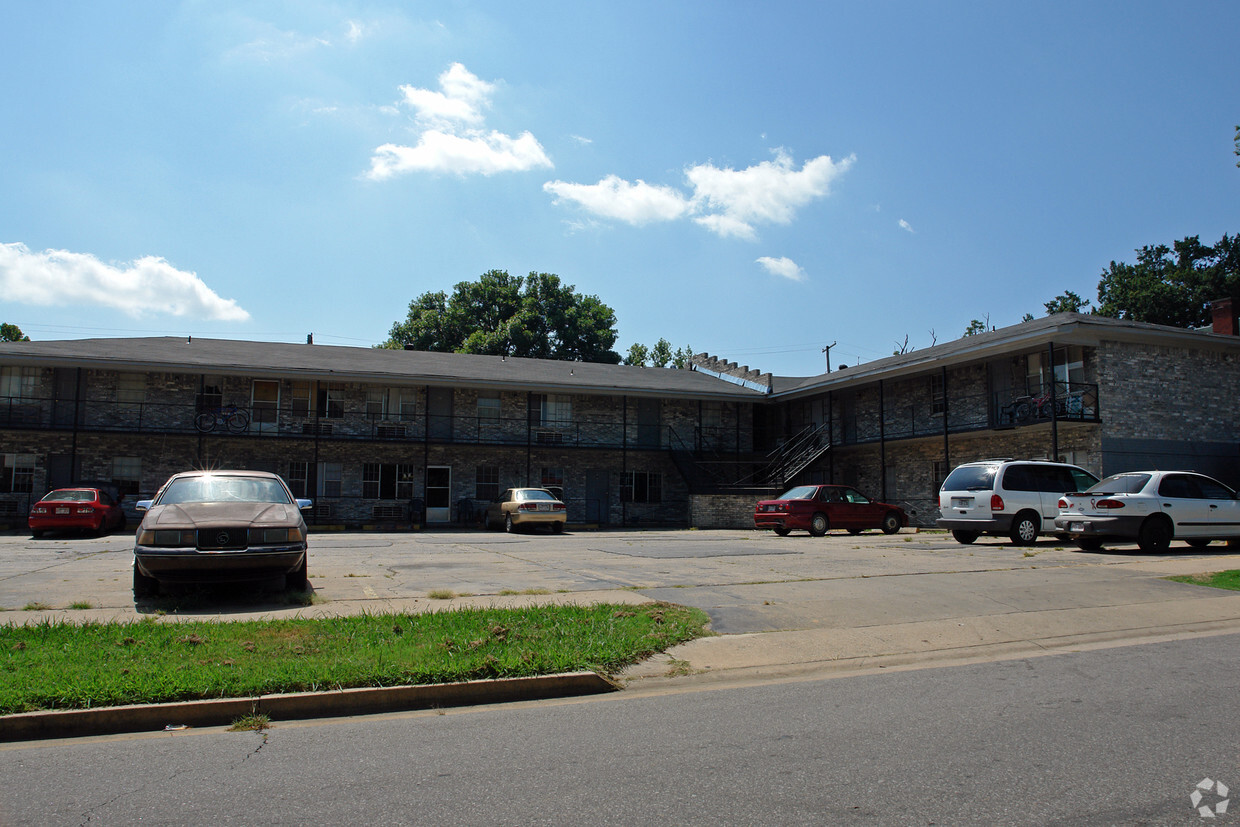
(1019,498)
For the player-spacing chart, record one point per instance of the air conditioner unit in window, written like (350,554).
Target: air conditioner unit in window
(391,431)
(320,428)
(550,438)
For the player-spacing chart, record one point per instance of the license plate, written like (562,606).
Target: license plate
(962,502)
(1076,526)
(62,511)
(544,506)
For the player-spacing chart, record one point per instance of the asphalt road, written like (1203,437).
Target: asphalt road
(1114,736)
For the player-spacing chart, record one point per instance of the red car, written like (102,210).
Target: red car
(820,508)
(83,509)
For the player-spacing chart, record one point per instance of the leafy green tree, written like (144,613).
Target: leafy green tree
(1172,286)
(1067,302)
(975,327)
(535,316)
(12,333)
(637,355)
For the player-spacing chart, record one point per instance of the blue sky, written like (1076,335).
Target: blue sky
(752,180)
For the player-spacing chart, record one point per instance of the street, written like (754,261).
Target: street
(1113,736)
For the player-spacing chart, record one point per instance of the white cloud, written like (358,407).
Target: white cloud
(726,202)
(769,193)
(782,266)
(354,32)
(613,197)
(150,285)
(451,137)
(904,225)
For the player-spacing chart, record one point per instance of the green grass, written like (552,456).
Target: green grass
(58,665)
(1218,579)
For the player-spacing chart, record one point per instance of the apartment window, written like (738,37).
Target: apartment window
(265,401)
(488,407)
(19,383)
(331,401)
(938,400)
(712,415)
(299,401)
(939,471)
(16,473)
(551,410)
(298,478)
(329,482)
(131,389)
(552,479)
(387,481)
(641,487)
(212,394)
(486,483)
(127,474)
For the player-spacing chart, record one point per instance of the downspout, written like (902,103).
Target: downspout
(1054,418)
(882,439)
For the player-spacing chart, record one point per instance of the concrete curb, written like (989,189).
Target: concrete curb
(74,723)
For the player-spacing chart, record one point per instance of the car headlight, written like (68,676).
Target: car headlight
(274,536)
(168,537)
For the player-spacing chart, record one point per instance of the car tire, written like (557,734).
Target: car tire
(557,528)
(819,524)
(891,523)
(1155,534)
(965,537)
(1089,543)
(508,524)
(781,531)
(1198,542)
(1025,528)
(299,579)
(143,586)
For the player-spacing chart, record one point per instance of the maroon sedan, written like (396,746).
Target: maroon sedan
(820,508)
(80,509)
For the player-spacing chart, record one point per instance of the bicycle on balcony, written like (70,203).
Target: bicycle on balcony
(225,418)
(1031,408)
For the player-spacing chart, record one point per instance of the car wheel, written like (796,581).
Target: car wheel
(781,531)
(1089,544)
(143,586)
(508,526)
(891,524)
(1198,542)
(964,537)
(299,579)
(1155,535)
(819,524)
(1025,528)
(557,528)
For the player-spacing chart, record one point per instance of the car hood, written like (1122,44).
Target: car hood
(193,515)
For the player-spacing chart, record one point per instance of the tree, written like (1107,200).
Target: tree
(1172,286)
(12,333)
(975,327)
(1067,302)
(659,356)
(535,316)
(1238,144)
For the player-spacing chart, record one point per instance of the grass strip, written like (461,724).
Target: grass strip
(1217,579)
(58,665)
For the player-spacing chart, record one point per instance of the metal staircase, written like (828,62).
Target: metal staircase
(706,472)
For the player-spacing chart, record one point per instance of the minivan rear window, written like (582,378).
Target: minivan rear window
(971,478)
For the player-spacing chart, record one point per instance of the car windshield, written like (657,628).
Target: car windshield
(971,478)
(1121,484)
(801,492)
(534,494)
(217,489)
(75,495)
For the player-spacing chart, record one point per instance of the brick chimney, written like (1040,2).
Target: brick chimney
(1223,312)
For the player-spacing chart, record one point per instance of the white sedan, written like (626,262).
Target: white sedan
(1153,508)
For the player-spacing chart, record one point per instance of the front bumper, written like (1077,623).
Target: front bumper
(187,565)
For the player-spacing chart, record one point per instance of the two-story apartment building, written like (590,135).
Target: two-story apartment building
(397,437)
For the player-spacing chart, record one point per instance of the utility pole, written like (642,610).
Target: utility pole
(827,350)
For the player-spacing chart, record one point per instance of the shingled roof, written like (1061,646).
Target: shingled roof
(369,365)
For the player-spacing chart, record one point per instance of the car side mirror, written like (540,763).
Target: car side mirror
(304,504)
(143,505)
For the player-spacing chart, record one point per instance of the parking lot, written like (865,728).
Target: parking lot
(748,581)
